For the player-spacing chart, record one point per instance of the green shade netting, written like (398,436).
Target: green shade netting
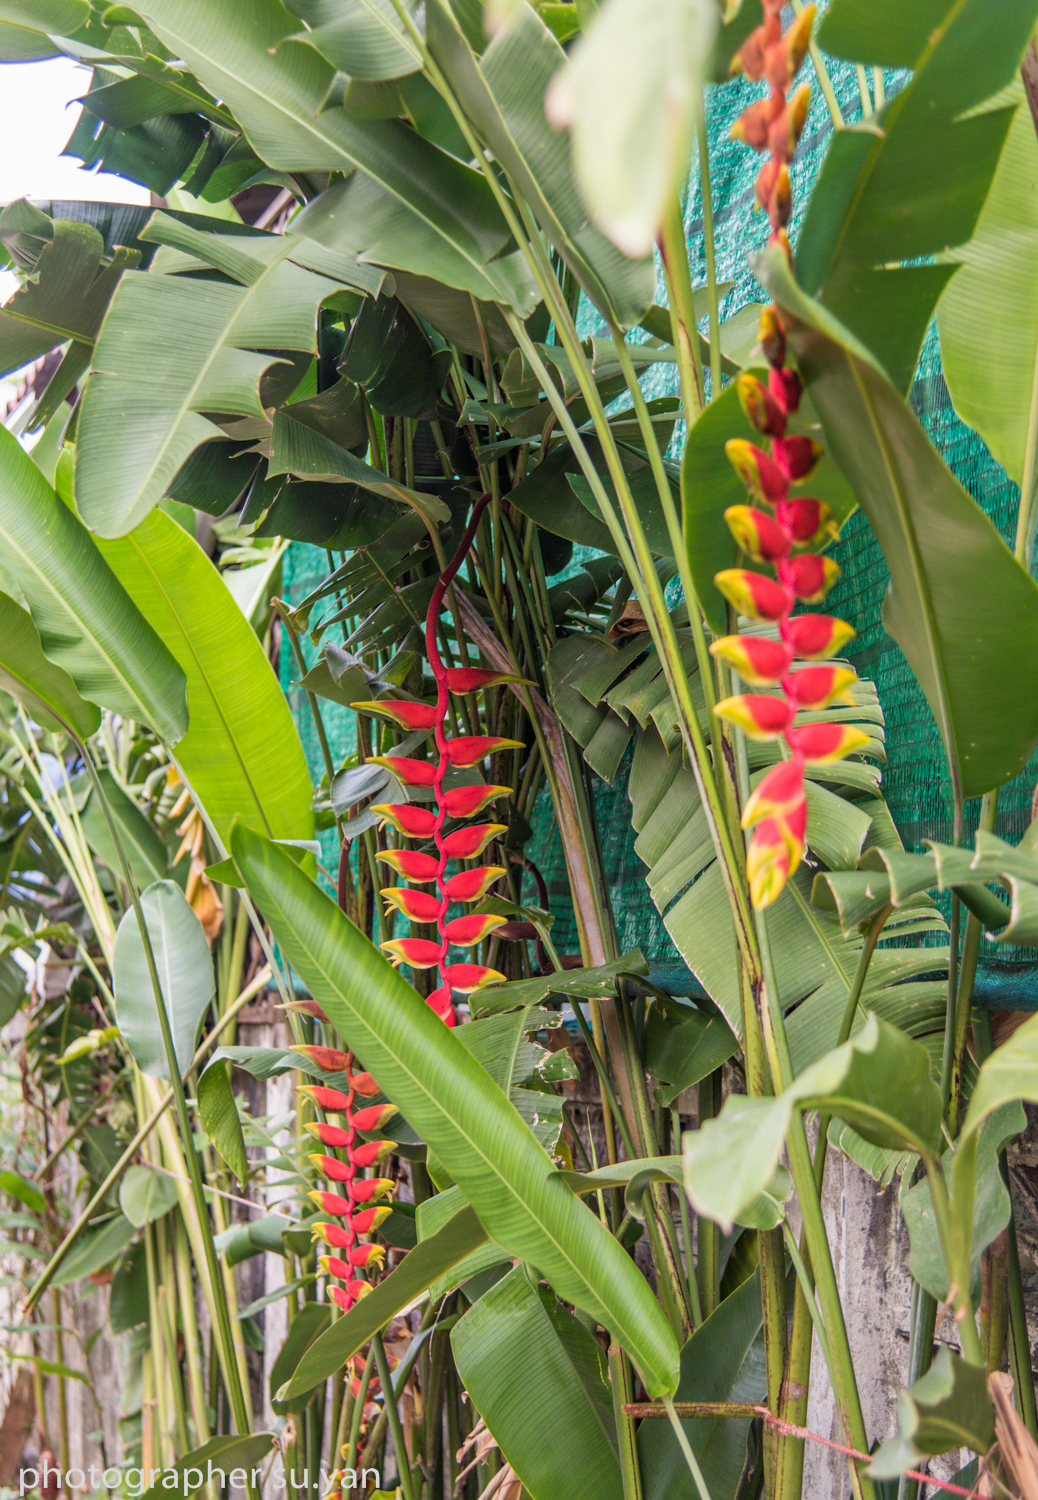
(915,779)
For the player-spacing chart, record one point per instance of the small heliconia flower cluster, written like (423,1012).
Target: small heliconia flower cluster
(418,822)
(778,529)
(351,1197)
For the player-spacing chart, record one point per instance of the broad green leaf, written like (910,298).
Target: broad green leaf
(220,1455)
(591,984)
(128,1297)
(141,417)
(503,95)
(432,1216)
(959,605)
(991,1206)
(911,182)
(879,1082)
(98,1247)
(709,485)
(146,1195)
(26,27)
(241,755)
(26,1192)
(538,1379)
(88,624)
(1011,1072)
(220,1117)
(683,1045)
(628,95)
(185,968)
(45,690)
(722,1361)
(305,1328)
(364,38)
(988,314)
(147,854)
(457,1109)
(410,206)
(66,297)
(429,1259)
(948,1408)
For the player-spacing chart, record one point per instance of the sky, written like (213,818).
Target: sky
(35,123)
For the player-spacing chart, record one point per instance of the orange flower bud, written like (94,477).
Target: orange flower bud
(420,953)
(332,1100)
(754,123)
(469,843)
(374,1117)
(330,1203)
(807,520)
(331,1265)
(408,818)
(365,1085)
(464,931)
(468,801)
(410,772)
(469,749)
(328,1059)
(761,475)
(328,1135)
(797,457)
(369,1219)
(332,1167)
(814,637)
(466,978)
(821,744)
(757,661)
(764,539)
(809,576)
(772,337)
(778,794)
(817,687)
(786,388)
(759,715)
(370,1153)
(419,906)
(785,128)
(471,679)
(441,1003)
(420,868)
(754,595)
(366,1255)
(332,1235)
(780,200)
(767,864)
(407,713)
(472,885)
(367,1188)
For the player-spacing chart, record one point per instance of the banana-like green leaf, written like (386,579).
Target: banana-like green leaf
(219,1455)
(628,94)
(988,314)
(722,1361)
(961,608)
(45,690)
(410,206)
(879,1082)
(539,1381)
(88,624)
(99,1247)
(27,25)
(142,416)
(144,849)
(241,755)
(456,1107)
(911,182)
(503,94)
(364,38)
(185,968)
(220,1117)
(1011,1072)
(66,299)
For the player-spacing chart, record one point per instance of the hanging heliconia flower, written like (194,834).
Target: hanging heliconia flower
(415,821)
(351,1197)
(778,529)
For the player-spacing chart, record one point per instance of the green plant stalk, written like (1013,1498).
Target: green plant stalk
(684,328)
(691,1284)
(56,1261)
(173,1368)
(193,1354)
(359,1402)
(621,1388)
(59,1352)
(73,1135)
(797,1381)
(1019,1340)
(1028,486)
(956,1262)
(708,247)
(822,73)
(396,1429)
(773,1307)
(964,989)
(157,1345)
(686,1450)
(708,1235)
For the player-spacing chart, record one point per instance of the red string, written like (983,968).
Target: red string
(788,1429)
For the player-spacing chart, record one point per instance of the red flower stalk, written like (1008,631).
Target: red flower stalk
(776,525)
(463,802)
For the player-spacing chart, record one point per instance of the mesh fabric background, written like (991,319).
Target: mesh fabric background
(915,780)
